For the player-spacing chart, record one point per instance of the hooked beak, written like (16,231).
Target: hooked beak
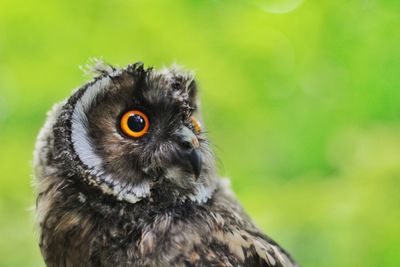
(189,151)
(195,160)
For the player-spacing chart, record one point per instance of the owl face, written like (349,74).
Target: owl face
(132,129)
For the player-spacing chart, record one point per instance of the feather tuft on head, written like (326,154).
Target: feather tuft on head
(97,66)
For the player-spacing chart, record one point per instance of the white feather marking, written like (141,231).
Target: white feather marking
(202,193)
(84,148)
(80,138)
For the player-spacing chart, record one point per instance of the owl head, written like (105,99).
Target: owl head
(136,133)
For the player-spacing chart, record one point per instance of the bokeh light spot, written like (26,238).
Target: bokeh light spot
(279,6)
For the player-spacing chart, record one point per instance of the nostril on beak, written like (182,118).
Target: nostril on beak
(186,145)
(190,144)
(187,138)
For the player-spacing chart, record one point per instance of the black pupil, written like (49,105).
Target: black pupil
(136,123)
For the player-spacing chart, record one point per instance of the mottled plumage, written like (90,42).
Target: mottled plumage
(107,199)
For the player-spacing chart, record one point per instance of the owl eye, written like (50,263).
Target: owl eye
(196,125)
(134,123)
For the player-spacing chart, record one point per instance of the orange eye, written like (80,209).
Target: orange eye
(134,123)
(196,125)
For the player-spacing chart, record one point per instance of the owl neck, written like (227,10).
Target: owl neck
(166,193)
(163,192)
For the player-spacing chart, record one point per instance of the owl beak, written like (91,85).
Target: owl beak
(194,158)
(190,152)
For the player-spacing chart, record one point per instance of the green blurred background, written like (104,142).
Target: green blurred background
(301,99)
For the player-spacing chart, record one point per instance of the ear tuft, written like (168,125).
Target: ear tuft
(192,90)
(97,66)
(134,68)
(180,79)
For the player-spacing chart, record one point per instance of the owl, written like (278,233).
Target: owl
(125,176)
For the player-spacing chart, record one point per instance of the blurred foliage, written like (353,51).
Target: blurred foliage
(301,99)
